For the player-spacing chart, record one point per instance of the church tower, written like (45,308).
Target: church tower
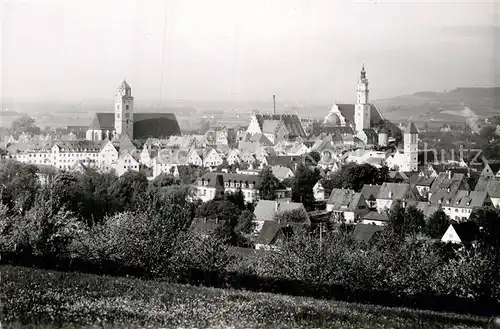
(410,148)
(362,108)
(124,111)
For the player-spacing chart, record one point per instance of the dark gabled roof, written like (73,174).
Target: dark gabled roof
(375,215)
(265,210)
(217,179)
(428,209)
(283,160)
(365,232)
(103,121)
(146,125)
(370,133)
(370,192)
(489,185)
(461,198)
(271,230)
(344,199)
(421,181)
(411,129)
(394,191)
(347,110)
(466,231)
(291,121)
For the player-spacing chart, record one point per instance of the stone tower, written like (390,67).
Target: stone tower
(362,107)
(410,148)
(124,111)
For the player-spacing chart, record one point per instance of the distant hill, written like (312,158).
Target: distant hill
(428,106)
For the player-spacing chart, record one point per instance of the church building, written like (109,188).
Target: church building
(359,116)
(123,121)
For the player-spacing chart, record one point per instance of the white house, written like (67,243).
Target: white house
(461,233)
(319,192)
(125,163)
(390,192)
(211,158)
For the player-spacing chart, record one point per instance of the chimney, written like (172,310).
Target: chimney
(216,219)
(274,104)
(276,206)
(448,190)
(449,174)
(205,219)
(390,194)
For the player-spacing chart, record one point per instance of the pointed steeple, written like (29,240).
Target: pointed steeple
(363,72)
(411,129)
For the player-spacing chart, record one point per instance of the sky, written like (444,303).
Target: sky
(304,51)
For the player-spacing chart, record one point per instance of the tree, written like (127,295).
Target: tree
(313,158)
(414,221)
(66,192)
(164,180)
(237,198)
(24,124)
(97,201)
(487,132)
(437,224)
(291,216)
(409,221)
(128,190)
(488,220)
(354,176)
(305,179)
(268,184)
(397,218)
(18,185)
(246,223)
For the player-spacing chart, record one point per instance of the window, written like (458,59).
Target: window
(127,106)
(118,115)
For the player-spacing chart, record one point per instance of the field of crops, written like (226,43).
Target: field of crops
(33,298)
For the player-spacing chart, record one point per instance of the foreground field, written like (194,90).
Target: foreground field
(32,298)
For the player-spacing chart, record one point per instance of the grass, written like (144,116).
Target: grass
(33,298)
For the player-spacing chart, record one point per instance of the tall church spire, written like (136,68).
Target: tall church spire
(362,108)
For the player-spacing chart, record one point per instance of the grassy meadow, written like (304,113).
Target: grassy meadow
(34,298)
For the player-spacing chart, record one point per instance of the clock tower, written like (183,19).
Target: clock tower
(362,114)
(124,111)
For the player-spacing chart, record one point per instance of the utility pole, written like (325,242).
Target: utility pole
(274,104)
(320,235)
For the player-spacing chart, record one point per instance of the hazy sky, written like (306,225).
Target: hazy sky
(301,50)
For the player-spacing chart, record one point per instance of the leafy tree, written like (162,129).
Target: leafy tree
(128,190)
(313,158)
(246,223)
(409,221)
(291,216)
(397,218)
(305,179)
(414,221)
(268,184)
(66,192)
(237,198)
(18,185)
(164,180)
(488,220)
(487,132)
(437,224)
(354,176)
(24,124)
(97,201)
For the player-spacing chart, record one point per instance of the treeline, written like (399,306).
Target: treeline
(97,222)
